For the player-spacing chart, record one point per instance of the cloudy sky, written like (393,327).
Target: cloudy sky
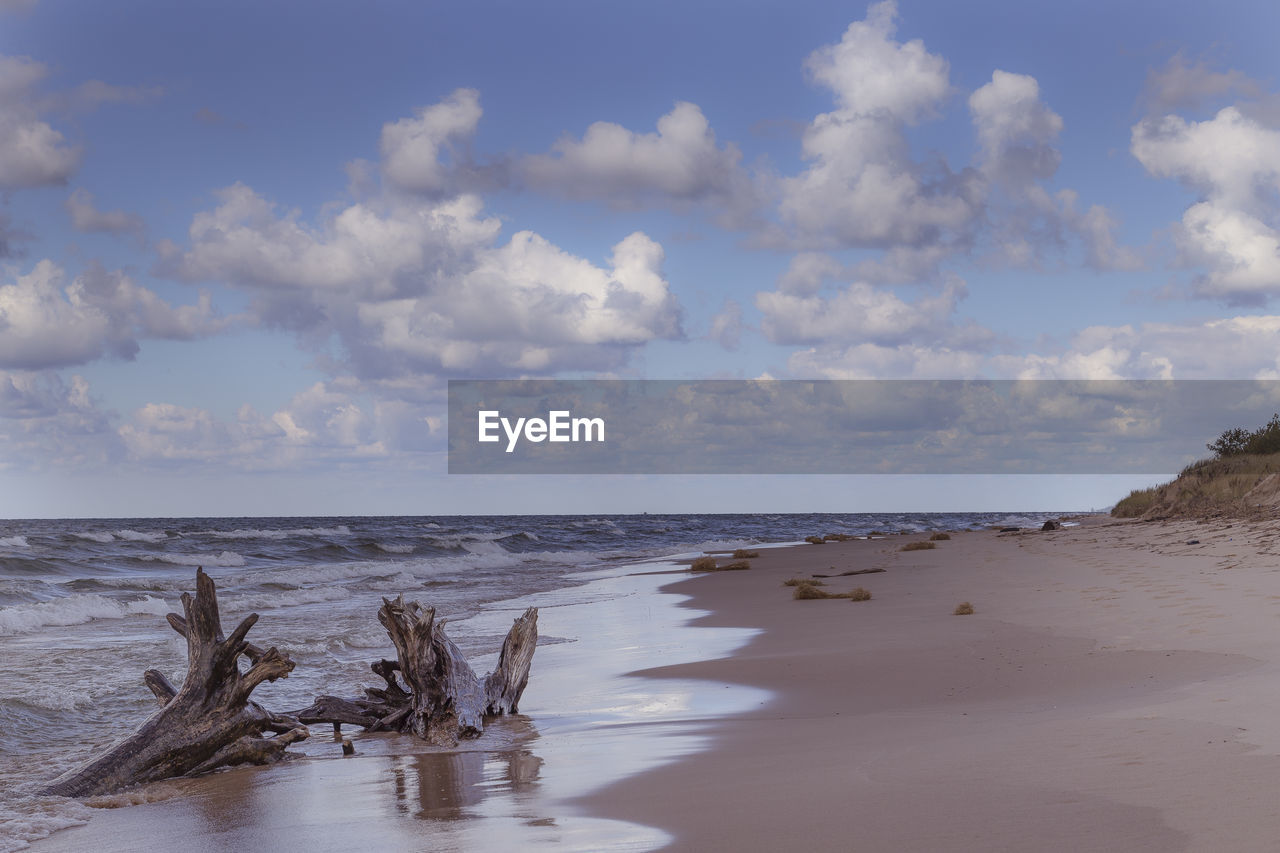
(243,246)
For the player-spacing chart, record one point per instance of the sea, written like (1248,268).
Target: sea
(82,605)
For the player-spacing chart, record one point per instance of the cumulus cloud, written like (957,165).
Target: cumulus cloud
(1231,347)
(861,189)
(44,417)
(1015,129)
(414,149)
(89,220)
(46,321)
(1184,85)
(422,287)
(680,164)
(1017,134)
(726,325)
(32,153)
(323,422)
(858,312)
(1230,235)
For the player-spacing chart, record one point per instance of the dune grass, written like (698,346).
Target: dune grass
(918,546)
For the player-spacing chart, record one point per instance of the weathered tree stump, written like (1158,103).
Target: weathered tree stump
(442,699)
(209,722)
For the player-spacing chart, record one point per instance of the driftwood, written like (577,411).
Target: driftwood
(209,722)
(441,699)
(854,572)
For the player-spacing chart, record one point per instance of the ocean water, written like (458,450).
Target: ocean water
(82,606)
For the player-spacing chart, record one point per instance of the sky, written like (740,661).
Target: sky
(244,246)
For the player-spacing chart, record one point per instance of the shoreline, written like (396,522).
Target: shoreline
(1113,690)
(515,785)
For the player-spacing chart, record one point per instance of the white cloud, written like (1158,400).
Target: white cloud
(320,423)
(871,74)
(32,153)
(1231,235)
(1182,85)
(1015,129)
(44,418)
(412,148)
(1227,348)
(679,164)
(88,219)
(857,312)
(420,287)
(726,325)
(47,322)
(861,188)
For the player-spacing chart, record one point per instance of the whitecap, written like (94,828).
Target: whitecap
(255,533)
(73,610)
(226,558)
(14,542)
(140,536)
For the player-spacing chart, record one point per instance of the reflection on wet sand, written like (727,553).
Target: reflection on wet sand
(446,786)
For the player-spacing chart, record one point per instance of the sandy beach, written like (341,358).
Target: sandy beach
(1113,690)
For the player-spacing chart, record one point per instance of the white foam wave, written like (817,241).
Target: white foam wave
(392,548)
(73,610)
(254,533)
(286,598)
(140,536)
(226,558)
(30,820)
(94,536)
(14,542)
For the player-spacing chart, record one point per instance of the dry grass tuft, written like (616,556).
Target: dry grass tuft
(837,537)
(918,546)
(799,581)
(708,564)
(806,591)
(940,537)
(744,554)
(964,608)
(815,540)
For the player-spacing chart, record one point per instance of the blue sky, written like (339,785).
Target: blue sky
(243,246)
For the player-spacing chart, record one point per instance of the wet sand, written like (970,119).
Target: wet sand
(1115,689)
